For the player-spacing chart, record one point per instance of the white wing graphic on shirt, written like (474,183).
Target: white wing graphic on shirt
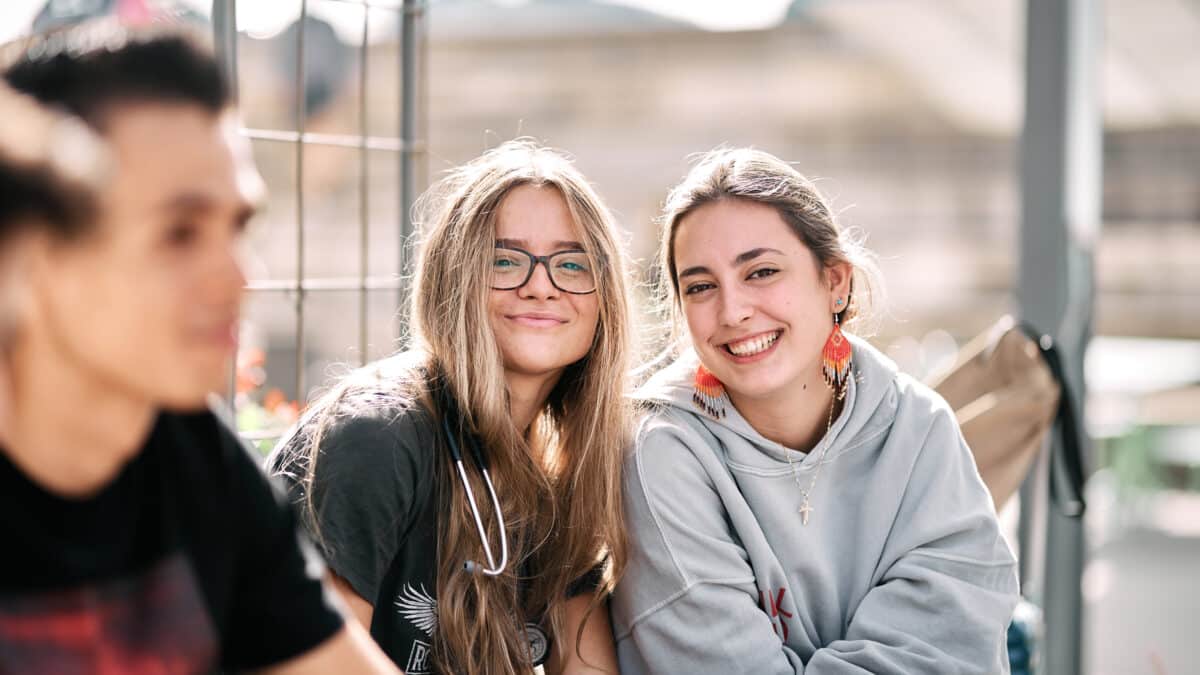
(418,607)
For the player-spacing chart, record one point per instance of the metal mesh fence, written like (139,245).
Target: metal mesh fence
(352,300)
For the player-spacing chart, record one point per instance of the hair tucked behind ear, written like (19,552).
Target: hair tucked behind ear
(757,176)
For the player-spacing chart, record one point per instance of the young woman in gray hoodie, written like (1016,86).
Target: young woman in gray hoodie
(796,504)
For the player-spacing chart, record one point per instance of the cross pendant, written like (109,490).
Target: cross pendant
(805,510)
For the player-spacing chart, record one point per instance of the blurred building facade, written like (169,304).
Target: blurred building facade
(914,137)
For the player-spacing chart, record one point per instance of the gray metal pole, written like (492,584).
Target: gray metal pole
(364,188)
(411,17)
(301,119)
(1060,221)
(224,26)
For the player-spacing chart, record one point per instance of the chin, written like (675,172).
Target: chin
(534,368)
(758,387)
(191,394)
(536,364)
(184,402)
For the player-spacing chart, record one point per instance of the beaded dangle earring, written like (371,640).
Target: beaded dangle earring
(708,394)
(835,357)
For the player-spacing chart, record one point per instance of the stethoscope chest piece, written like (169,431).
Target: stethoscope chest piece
(539,644)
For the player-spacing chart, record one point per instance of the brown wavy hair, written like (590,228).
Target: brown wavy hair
(559,486)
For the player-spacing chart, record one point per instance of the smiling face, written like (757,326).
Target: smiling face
(147,301)
(540,329)
(758,304)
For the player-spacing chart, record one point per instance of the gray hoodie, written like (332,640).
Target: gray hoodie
(901,568)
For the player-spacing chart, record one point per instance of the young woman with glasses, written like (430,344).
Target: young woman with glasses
(466,491)
(796,504)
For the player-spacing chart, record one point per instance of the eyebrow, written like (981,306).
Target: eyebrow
(741,258)
(195,202)
(524,243)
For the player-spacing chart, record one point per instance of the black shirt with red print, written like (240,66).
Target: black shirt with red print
(187,561)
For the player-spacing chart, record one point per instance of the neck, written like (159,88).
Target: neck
(527,396)
(69,431)
(796,417)
(5,399)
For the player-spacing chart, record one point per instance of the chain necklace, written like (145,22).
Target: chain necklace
(806,508)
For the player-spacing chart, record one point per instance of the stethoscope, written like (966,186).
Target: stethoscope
(471,566)
(538,642)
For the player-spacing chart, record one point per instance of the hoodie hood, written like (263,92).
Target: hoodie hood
(871,400)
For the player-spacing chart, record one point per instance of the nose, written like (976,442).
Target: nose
(539,285)
(733,306)
(227,279)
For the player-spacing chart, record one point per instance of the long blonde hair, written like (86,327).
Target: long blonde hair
(559,487)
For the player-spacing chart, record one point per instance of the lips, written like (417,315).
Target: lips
(536,319)
(222,334)
(754,344)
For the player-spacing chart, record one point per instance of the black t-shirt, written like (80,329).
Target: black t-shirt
(374,498)
(375,501)
(186,562)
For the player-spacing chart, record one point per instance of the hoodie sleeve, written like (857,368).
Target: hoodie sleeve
(687,602)
(948,585)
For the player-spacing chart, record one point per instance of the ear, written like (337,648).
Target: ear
(17,281)
(838,276)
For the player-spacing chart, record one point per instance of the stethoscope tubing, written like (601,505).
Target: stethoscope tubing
(492,569)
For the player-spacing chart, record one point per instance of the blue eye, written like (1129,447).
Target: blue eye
(508,261)
(573,267)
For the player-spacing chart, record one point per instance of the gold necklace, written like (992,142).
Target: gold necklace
(806,508)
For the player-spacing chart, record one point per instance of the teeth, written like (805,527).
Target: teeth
(753,346)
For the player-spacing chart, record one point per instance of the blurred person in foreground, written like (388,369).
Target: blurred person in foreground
(795,504)
(143,538)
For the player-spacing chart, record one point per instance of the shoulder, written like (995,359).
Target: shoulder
(915,398)
(199,436)
(372,428)
(914,421)
(673,462)
(925,426)
(886,389)
(665,435)
(369,445)
(208,465)
(372,416)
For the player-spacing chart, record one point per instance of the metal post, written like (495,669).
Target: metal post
(301,112)
(409,23)
(364,189)
(1060,221)
(224,25)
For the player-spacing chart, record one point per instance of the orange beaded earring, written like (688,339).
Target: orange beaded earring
(709,394)
(835,357)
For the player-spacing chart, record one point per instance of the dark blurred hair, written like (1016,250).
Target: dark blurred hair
(30,196)
(51,166)
(90,68)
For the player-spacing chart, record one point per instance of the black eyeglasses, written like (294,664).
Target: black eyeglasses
(570,271)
